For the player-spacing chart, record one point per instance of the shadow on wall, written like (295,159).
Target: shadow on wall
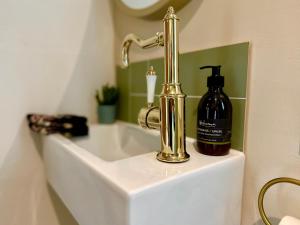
(63,215)
(95,63)
(23,196)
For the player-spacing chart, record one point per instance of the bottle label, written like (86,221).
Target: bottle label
(214,131)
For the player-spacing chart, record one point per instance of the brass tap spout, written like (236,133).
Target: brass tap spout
(157,40)
(169,117)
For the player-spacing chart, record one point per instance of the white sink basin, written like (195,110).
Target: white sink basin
(113,178)
(118,141)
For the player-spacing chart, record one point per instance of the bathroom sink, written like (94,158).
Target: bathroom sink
(112,177)
(118,141)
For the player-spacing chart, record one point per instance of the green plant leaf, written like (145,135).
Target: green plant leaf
(110,95)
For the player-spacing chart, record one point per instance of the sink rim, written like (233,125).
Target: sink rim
(154,173)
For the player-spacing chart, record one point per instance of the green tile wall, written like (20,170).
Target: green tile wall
(234,61)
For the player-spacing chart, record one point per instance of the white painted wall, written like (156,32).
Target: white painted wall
(53,55)
(273,122)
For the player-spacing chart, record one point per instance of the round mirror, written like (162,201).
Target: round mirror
(133,4)
(149,9)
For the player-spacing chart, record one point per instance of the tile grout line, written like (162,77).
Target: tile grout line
(133,94)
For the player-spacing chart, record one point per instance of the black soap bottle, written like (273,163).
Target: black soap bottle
(214,120)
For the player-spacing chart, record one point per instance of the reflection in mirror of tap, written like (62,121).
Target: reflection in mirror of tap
(169,117)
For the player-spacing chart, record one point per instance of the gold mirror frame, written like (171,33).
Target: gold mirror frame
(153,12)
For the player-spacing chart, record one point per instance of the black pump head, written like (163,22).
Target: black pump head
(215,80)
(215,69)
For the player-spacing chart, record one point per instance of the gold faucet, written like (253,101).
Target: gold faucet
(170,116)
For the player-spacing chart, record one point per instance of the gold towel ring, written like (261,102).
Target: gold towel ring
(263,191)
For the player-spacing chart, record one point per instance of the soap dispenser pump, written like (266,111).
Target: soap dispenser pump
(214,119)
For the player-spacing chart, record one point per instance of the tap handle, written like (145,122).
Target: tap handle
(151,81)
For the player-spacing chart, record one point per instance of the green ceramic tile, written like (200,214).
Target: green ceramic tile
(191,106)
(237,121)
(234,60)
(138,76)
(137,102)
(156,100)
(122,84)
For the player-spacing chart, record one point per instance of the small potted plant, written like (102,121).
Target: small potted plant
(107,104)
